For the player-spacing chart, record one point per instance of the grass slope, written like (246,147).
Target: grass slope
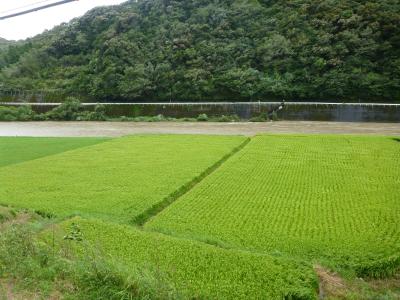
(199,270)
(18,149)
(329,198)
(117,180)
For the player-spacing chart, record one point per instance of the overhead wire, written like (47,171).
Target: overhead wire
(25,6)
(36,9)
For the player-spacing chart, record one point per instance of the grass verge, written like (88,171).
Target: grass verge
(30,269)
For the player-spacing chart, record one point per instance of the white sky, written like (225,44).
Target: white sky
(34,23)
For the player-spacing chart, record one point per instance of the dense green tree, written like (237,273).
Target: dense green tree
(162,50)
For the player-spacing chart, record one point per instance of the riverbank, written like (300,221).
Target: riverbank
(112,129)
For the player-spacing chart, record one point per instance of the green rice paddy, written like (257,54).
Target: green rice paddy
(326,198)
(200,270)
(219,216)
(116,180)
(15,150)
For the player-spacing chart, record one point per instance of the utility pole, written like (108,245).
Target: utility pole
(36,9)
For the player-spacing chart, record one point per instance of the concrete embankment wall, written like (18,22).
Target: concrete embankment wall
(304,111)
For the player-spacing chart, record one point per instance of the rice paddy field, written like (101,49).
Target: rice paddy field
(221,217)
(315,197)
(200,270)
(116,180)
(15,150)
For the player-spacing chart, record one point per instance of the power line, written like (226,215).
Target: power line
(25,6)
(36,8)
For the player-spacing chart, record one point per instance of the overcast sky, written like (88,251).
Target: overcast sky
(34,23)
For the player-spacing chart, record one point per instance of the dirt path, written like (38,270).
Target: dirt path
(75,129)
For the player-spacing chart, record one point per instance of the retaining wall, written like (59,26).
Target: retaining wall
(307,111)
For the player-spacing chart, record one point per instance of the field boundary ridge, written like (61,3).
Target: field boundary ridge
(151,212)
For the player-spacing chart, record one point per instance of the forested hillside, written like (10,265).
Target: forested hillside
(4,43)
(162,50)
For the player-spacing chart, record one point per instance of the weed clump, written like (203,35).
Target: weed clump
(202,118)
(260,118)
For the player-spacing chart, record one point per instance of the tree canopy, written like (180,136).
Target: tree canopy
(196,50)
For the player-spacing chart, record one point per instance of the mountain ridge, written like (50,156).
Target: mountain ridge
(162,50)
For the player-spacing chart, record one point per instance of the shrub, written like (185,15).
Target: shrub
(21,113)
(158,118)
(71,110)
(260,118)
(232,118)
(187,119)
(202,118)
(40,117)
(25,113)
(123,119)
(8,113)
(98,114)
(67,111)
